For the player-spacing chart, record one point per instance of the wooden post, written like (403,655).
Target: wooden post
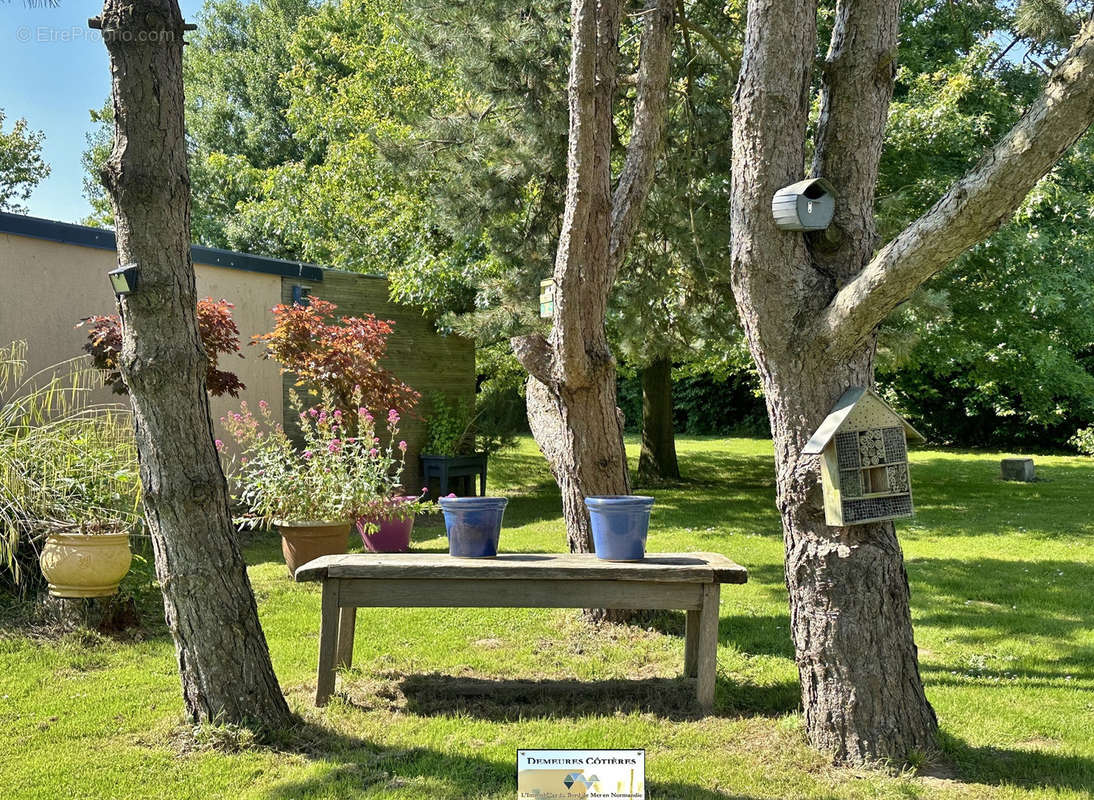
(708,646)
(691,645)
(328,641)
(347,623)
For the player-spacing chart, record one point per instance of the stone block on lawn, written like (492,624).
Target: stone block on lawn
(1018,469)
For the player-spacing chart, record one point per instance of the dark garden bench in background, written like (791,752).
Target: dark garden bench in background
(689,581)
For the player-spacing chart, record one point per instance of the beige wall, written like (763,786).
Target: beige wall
(49,286)
(254,295)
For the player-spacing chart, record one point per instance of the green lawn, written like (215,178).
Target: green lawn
(439,700)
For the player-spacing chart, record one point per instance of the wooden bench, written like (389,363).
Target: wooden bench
(689,581)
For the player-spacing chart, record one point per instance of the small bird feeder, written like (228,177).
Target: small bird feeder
(547,298)
(863,446)
(804,206)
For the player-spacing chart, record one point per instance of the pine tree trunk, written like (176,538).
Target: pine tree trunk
(657,461)
(223,660)
(849,601)
(850,619)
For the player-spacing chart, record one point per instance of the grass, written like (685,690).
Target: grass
(439,700)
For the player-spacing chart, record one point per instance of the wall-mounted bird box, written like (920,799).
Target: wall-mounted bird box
(863,446)
(547,298)
(804,206)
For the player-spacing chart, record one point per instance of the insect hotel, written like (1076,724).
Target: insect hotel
(863,446)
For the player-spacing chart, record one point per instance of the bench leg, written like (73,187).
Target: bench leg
(707,655)
(328,642)
(347,622)
(691,645)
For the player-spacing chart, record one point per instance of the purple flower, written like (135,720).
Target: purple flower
(219,445)
(313,412)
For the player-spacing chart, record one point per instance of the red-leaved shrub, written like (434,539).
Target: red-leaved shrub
(340,357)
(219,335)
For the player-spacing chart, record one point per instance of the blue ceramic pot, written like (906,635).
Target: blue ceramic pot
(620,524)
(473,525)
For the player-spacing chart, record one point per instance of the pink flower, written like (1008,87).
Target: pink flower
(374,452)
(337,414)
(313,412)
(263,404)
(308,454)
(322,416)
(219,444)
(402,446)
(450,494)
(376,440)
(392,416)
(333,446)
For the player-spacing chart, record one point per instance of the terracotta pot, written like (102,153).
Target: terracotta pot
(302,542)
(85,564)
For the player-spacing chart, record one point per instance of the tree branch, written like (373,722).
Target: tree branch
(534,354)
(646,131)
(732,64)
(973,207)
(857,87)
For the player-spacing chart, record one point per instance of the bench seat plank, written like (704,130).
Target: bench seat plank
(656,567)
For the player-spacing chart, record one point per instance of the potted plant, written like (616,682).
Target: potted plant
(69,490)
(386,521)
(312,494)
(85,559)
(450,448)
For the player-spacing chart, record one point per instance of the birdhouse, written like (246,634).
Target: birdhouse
(547,298)
(804,206)
(863,446)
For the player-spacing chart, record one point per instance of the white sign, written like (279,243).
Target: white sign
(586,774)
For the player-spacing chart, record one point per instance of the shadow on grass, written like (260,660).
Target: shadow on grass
(980,600)
(515,700)
(353,766)
(1029,769)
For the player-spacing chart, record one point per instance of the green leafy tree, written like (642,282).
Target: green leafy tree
(21,164)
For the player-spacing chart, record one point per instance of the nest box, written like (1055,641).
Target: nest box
(863,446)
(804,206)
(547,298)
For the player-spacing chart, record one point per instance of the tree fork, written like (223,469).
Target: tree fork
(224,663)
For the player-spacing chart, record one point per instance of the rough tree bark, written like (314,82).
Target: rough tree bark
(810,306)
(571,386)
(657,460)
(222,655)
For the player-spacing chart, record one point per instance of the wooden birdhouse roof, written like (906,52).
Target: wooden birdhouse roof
(858,399)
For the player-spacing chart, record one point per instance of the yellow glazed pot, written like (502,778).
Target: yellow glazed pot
(85,564)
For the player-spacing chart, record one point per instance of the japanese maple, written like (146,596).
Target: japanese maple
(337,356)
(219,336)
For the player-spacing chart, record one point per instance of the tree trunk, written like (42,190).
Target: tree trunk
(571,386)
(657,460)
(223,659)
(849,600)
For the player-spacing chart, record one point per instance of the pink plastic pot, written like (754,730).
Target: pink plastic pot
(393,535)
